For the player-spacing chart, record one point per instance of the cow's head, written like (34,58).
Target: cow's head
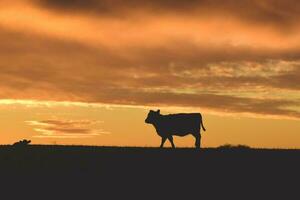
(152,116)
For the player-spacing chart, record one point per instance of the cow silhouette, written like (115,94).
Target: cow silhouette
(180,124)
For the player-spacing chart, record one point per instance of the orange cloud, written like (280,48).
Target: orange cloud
(65,128)
(153,30)
(227,56)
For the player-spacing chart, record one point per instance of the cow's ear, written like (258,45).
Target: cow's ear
(158,111)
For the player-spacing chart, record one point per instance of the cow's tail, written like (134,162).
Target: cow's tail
(201,121)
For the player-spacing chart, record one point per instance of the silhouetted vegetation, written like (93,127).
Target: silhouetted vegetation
(22,143)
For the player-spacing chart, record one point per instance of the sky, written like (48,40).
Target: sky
(88,71)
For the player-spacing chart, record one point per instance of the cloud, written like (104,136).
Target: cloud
(66,128)
(257,10)
(174,80)
(216,102)
(226,56)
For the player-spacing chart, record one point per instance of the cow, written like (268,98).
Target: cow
(180,124)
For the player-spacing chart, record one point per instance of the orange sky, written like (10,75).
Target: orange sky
(87,72)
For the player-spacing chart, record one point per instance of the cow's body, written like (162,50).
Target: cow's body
(176,124)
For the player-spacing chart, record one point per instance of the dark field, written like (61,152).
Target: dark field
(81,171)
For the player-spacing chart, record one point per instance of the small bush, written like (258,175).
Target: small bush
(22,143)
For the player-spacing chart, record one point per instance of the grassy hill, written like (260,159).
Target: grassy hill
(152,171)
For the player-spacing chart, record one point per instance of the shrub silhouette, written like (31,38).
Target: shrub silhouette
(22,143)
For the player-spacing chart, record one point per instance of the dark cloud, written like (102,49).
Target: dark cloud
(69,72)
(173,73)
(289,80)
(68,123)
(69,130)
(257,11)
(222,103)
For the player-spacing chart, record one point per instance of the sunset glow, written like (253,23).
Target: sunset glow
(87,72)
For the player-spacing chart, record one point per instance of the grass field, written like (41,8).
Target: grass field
(151,171)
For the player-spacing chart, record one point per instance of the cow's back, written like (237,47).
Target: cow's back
(181,123)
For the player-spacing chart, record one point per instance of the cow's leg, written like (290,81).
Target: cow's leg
(163,139)
(171,140)
(198,140)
